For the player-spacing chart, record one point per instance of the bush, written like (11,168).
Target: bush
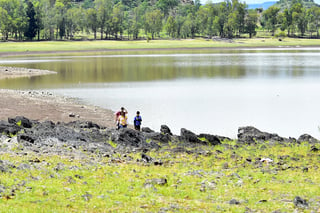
(281,34)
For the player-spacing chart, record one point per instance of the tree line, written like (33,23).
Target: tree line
(134,19)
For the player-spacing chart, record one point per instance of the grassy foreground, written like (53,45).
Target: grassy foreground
(154,44)
(224,178)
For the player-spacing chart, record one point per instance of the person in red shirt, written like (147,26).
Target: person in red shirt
(117,115)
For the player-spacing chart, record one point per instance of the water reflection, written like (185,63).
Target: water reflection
(153,66)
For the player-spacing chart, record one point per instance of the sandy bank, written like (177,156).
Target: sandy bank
(15,72)
(42,106)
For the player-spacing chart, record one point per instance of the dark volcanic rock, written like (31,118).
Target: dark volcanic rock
(165,130)
(213,140)
(9,128)
(163,138)
(128,137)
(300,203)
(147,130)
(24,122)
(307,138)
(251,135)
(234,202)
(190,137)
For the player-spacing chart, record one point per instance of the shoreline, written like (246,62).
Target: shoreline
(18,72)
(43,106)
(7,54)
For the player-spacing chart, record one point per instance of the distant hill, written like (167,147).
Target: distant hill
(264,5)
(286,3)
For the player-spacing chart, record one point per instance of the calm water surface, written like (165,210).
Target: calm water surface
(216,91)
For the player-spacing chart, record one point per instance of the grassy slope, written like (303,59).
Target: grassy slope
(196,183)
(155,44)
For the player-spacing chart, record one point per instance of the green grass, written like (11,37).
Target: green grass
(154,44)
(196,183)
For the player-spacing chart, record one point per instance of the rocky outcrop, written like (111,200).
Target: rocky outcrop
(62,138)
(251,135)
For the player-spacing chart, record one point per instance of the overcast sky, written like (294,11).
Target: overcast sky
(249,1)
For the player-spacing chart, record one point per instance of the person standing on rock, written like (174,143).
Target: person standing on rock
(137,121)
(122,120)
(117,115)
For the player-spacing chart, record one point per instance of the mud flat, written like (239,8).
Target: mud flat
(16,72)
(43,105)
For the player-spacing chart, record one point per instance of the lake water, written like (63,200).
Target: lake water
(206,91)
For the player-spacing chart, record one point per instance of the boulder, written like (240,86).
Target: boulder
(147,130)
(190,137)
(212,139)
(300,202)
(251,135)
(9,129)
(22,121)
(307,138)
(160,137)
(128,137)
(164,129)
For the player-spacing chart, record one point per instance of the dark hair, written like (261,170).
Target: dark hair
(138,112)
(122,108)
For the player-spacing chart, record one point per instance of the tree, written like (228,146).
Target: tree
(239,10)
(153,22)
(32,27)
(117,20)
(104,10)
(14,18)
(314,19)
(251,22)
(5,20)
(166,5)
(39,17)
(271,18)
(92,21)
(171,26)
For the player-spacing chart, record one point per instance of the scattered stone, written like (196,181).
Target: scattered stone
(72,115)
(87,196)
(234,202)
(314,149)
(146,158)
(157,181)
(300,202)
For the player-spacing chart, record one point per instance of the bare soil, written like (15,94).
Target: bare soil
(44,106)
(15,72)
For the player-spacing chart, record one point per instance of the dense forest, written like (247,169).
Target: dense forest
(150,19)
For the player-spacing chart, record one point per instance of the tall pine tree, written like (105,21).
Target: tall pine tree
(31,30)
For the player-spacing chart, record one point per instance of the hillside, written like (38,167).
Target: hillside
(287,3)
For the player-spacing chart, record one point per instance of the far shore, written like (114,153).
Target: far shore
(61,47)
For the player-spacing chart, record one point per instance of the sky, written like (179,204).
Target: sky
(249,1)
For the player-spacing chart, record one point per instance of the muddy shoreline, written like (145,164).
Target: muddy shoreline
(42,106)
(18,72)
(5,54)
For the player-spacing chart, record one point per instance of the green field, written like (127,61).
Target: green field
(51,46)
(224,178)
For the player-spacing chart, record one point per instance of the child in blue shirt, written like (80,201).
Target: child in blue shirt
(137,121)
